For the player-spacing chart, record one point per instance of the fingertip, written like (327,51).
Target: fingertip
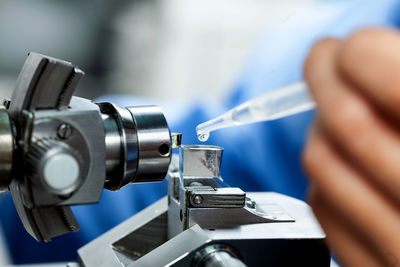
(320,50)
(369,60)
(358,47)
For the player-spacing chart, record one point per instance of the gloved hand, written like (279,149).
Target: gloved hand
(353,151)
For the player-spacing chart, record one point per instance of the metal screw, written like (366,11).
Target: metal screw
(64,131)
(250,203)
(6,103)
(198,199)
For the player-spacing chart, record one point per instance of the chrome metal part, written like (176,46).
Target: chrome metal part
(230,197)
(44,212)
(87,140)
(6,149)
(197,199)
(45,86)
(138,145)
(298,243)
(221,259)
(200,161)
(171,232)
(121,145)
(121,246)
(217,255)
(44,153)
(212,217)
(205,200)
(66,149)
(114,146)
(64,131)
(154,143)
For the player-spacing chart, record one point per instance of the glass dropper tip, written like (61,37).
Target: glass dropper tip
(203,130)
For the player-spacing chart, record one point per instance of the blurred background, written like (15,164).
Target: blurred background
(175,49)
(162,49)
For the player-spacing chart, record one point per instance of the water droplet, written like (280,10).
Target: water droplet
(203,136)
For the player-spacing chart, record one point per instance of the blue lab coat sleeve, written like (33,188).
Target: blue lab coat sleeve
(259,157)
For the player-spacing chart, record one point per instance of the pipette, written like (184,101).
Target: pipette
(279,103)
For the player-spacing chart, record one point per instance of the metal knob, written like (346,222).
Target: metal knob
(55,165)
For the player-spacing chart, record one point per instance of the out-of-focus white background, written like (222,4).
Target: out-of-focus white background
(164,49)
(168,49)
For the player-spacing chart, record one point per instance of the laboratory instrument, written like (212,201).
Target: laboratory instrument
(272,105)
(59,150)
(203,222)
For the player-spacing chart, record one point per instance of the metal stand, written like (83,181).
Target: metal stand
(203,223)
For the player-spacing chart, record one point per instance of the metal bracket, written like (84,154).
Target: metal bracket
(44,83)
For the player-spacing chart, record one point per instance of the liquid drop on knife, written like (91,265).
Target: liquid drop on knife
(203,136)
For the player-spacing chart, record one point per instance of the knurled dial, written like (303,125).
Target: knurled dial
(55,165)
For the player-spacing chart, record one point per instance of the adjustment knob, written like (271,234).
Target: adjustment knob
(55,165)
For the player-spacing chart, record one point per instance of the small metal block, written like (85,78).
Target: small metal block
(176,139)
(231,197)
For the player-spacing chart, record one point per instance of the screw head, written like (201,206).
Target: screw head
(6,103)
(198,199)
(250,203)
(64,131)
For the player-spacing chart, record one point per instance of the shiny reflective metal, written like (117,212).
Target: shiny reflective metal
(121,145)
(64,131)
(176,140)
(43,119)
(6,148)
(195,180)
(130,144)
(197,199)
(200,161)
(36,159)
(138,144)
(172,232)
(229,197)
(154,143)
(217,255)
(199,164)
